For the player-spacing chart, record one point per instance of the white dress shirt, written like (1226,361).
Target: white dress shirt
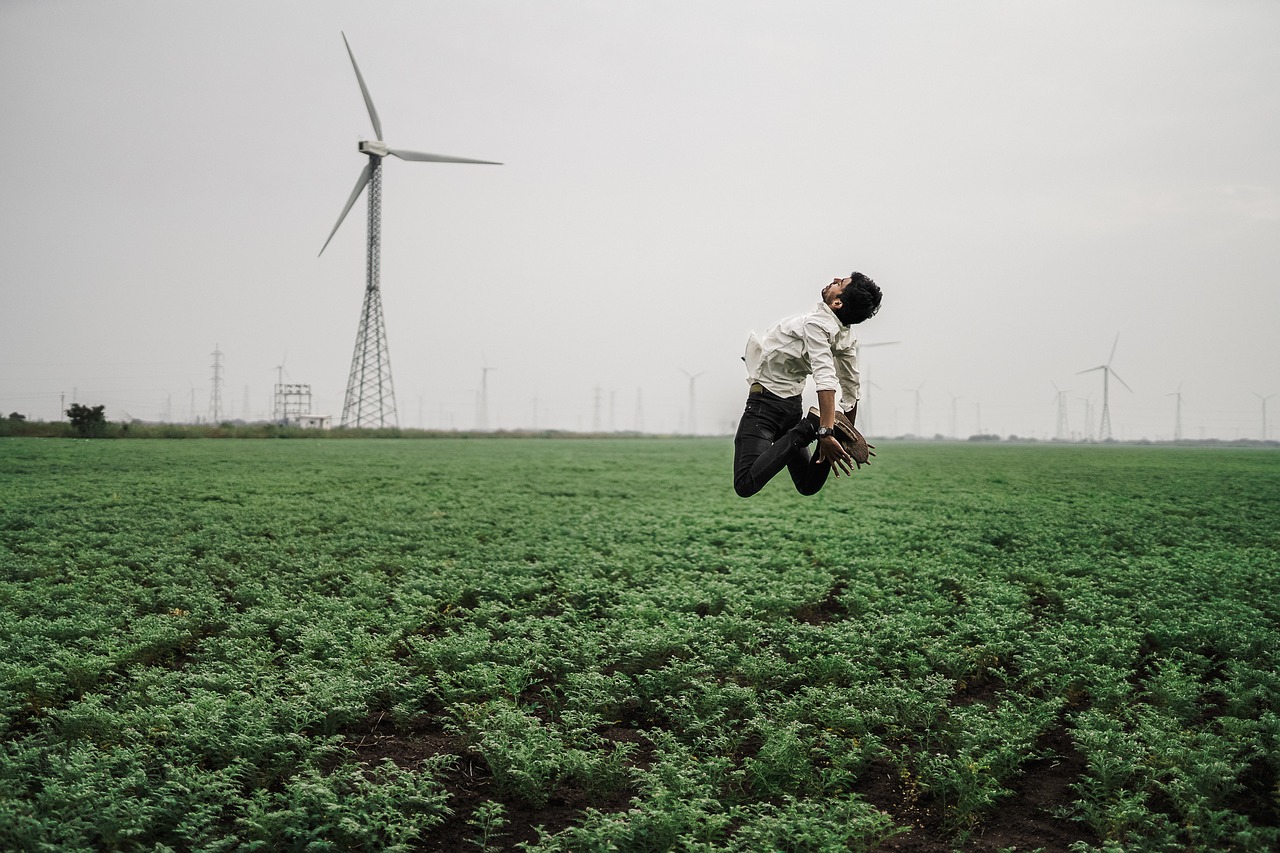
(815,344)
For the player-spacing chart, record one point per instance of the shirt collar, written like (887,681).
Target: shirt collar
(824,307)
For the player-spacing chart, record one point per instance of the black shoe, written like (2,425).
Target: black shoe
(810,422)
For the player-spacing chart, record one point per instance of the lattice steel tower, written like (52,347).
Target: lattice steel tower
(370,400)
(215,397)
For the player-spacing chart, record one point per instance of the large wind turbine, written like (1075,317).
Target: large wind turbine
(370,399)
(1104,431)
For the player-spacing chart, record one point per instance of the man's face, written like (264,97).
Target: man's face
(832,292)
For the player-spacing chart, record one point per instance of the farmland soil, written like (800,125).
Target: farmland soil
(1024,821)
(470,783)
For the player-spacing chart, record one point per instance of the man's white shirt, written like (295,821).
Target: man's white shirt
(815,344)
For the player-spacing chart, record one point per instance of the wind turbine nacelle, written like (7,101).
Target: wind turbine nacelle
(376,148)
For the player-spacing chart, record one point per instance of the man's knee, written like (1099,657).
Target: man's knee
(745,487)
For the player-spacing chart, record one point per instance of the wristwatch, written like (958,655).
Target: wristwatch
(824,431)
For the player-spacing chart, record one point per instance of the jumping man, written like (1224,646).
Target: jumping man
(774,433)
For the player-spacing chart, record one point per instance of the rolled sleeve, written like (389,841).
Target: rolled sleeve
(822,363)
(850,379)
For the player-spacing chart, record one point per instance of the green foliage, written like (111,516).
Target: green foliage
(488,821)
(88,421)
(196,636)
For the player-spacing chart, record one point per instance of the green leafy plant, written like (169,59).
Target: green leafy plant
(344,644)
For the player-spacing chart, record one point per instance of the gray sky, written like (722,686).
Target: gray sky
(1024,180)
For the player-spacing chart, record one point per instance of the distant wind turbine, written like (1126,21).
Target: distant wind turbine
(370,399)
(482,419)
(1104,431)
(1264,412)
(693,403)
(1177,418)
(864,405)
(916,422)
(1088,417)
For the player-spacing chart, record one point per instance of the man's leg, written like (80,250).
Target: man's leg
(769,435)
(807,472)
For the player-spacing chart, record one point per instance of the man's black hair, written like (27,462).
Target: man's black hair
(861,298)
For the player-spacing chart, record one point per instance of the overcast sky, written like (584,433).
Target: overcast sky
(1026,181)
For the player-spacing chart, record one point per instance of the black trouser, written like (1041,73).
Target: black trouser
(773,435)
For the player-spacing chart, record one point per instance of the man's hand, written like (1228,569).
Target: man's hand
(832,453)
(851,440)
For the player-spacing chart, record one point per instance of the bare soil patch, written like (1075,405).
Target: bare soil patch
(1026,820)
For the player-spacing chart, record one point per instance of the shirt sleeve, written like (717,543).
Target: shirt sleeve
(822,363)
(846,360)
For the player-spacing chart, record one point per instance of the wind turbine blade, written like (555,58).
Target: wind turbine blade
(364,90)
(435,158)
(355,193)
(1121,381)
(1112,357)
(1092,369)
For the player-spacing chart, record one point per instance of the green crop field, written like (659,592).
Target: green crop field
(564,645)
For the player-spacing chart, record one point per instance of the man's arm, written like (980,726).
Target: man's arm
(829,448)
(833,366)
(846,362)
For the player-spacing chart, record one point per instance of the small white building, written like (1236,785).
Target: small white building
(312,421)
